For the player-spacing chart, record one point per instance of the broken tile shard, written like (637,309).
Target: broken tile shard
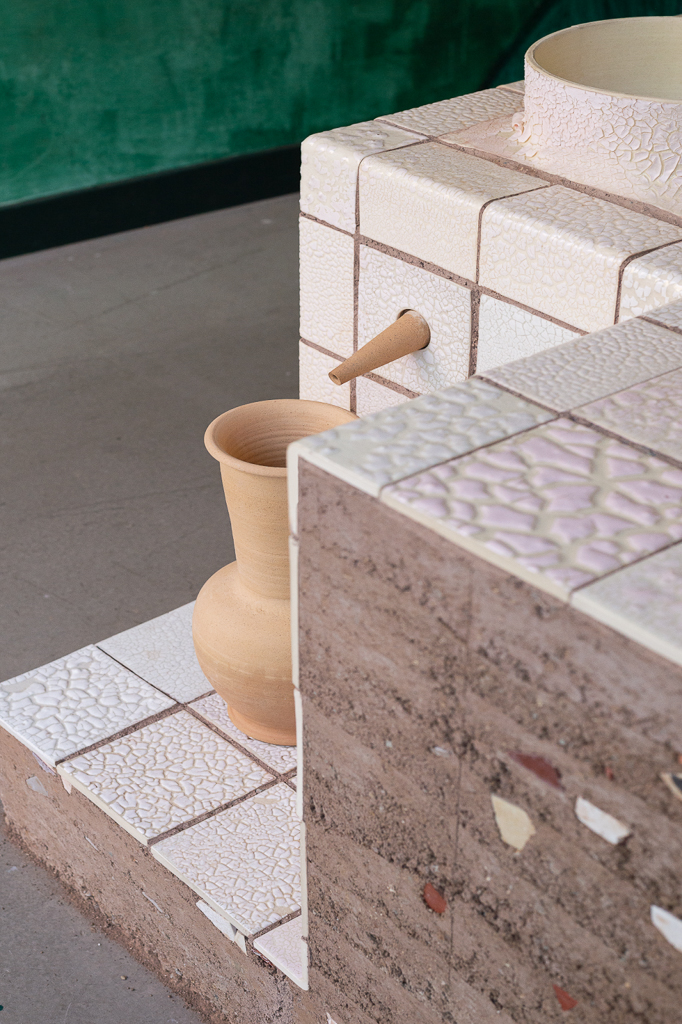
(566,1002)
(674,783)
(514,824)
(668,925)
(434,899)
(601,823)
(539,766)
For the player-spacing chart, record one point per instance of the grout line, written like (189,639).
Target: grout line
(642,448)
(386,119)
(659,323)
(473,333)
(254,757)
(319,348)
(183,826)
(519,394)
(391,385)
(353,403)
(627,261)
(157,688)
(166,713)
(612,572)
(482,210)
(324,223)
(271,927)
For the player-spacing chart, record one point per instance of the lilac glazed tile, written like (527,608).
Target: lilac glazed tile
(559,506)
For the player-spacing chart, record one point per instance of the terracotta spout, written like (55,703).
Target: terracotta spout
(409,333)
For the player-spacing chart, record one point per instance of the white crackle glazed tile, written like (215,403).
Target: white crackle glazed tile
(227,929)
(594,366)
(642,601)
(669,316)
(560,252)
(75,701)
(284,947)
(650,281)
(668,925)
(457,113)
(558,506)
(387,287)
(371,396)
(314,384)
(507,333)
(326,285)
(164,774)
(519,87)
(214,709)
(243,862)
(426,201)
(162,652)
(329,168)
(404,440)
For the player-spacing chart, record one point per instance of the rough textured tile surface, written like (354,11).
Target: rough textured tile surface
(162,652)
(592,367)
(506,333)
(164,774)
(426,200)
(560,251)
(75,701)
(650,281)
(559,506)
(244,862)
(214,710)
(401,441)
(648,413)
(643,602)
(329,168)
(313,378)
(373,397)
(326,284)
(456,114)
(387,287)
(284,947)
(670,316)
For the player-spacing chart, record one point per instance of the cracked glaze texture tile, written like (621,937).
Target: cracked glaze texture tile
(329,168)
(326,280)
(284,947)
(164,774)
(399,442)
(75,701)
(387,287)
(214,710)
(592,367)
(457,113)
(643,601)
(426,200)
(245,861)
(373,397)
(558,506)
(162,652)
(648,414)
(506,332)
(560,251)
(670,316)
(651,281)
(313,378)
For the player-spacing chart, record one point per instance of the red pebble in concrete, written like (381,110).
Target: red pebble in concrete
(566,1002)
(539,766)
(434,899)
(608,772)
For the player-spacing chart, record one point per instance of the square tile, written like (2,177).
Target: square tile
(244,862)
(284,947)
(214,710)
(416,435)
(326,282)
(387,287)
(329,168)
(650,281)
(81,699)
(559,506)
(560,251)
(648,414)
(507,333)
(426,201)
(164,774)
(592,367)
(371,396)
(162,652)
(313,378)
(455,114)
(643,602)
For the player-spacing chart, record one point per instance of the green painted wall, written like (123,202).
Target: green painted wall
(94,91)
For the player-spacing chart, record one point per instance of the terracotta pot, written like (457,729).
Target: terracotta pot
(241,623)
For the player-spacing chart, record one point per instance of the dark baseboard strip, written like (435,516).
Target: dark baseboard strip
(152,199)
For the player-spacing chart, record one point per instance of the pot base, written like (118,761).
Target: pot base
(281,737)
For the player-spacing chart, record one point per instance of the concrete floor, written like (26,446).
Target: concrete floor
(115,354)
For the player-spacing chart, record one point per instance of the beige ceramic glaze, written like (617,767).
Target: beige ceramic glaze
(241,623)
(409,333)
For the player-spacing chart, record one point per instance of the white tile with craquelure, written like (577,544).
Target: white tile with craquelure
(214,709)
(387,287)
(75,701)
(162,652)
(650,281)
(426,200)
(560,251)
(506,333)
(416,435)
(314,384)
(326,284)
(284,947)
(669,316)
(457,113)
(164,774)
(329,167)
(558,506)
(592,367)
(371,396)
(244,862)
